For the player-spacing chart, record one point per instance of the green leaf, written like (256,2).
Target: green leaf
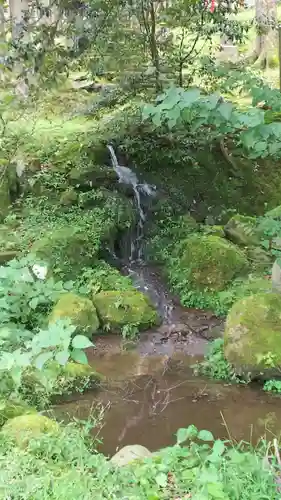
(79,356)
(183,434)
(42,359)
(62,357)
(156,119)
(218,447)
(33,303)
(81,342)
(215,490)
(225,110)
(189,97)
(161,479)
(205,436)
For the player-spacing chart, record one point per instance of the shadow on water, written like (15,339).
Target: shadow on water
(149,397)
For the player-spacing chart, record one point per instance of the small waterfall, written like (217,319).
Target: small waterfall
(142,276)
(127,176)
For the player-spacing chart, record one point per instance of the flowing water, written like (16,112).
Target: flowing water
(149,390)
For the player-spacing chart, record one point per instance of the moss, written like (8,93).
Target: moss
(209,263)
(117,309)
(69,197)
(242,230)
(25,427)
(10,409)
(91,175)
(214,230)
(79,310)
(252,333)
(66,250)
(243,288)
(9,240)
(260,260)
(103,277)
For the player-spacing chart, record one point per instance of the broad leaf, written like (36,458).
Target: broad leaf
(205,436)
(184,434)
(42,359)
(81,342)
(79,356)
(225,110)
(62,357)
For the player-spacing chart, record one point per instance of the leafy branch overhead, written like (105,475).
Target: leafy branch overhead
(218,119)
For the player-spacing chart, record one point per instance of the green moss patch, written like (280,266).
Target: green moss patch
(252,334)
(117,309)
(79,310)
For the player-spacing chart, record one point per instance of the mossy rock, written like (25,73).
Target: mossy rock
(25,427)
(243,288)
(69,197)
(209,263)
(9,240)
(117,309)
(260,260)
(253,337)
(214,231)
(92,176)
(65,251)
(79,310)
(10,409)
(275,213)
(243,230)
(104,277)
(78,371)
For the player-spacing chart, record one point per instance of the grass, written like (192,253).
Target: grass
(66,466)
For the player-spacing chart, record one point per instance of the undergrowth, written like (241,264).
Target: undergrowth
(197,466)
(215,365)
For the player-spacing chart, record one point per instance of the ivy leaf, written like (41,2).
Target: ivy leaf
(81,342)
(42,359)
(183,434)
(79,356)
(62,357)
(205,436)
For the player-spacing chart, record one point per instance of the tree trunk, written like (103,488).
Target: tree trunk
(18,13)
(153,47)
(267,34)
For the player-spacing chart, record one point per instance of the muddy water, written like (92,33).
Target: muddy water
(147,398)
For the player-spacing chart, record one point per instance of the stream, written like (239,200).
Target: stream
(149,390)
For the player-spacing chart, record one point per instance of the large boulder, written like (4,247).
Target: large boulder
(25,427)
(65,251)
(79,310)
(119,308)
(253,335)
(243,230)
(209,263)
(129,454)
(260,259)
